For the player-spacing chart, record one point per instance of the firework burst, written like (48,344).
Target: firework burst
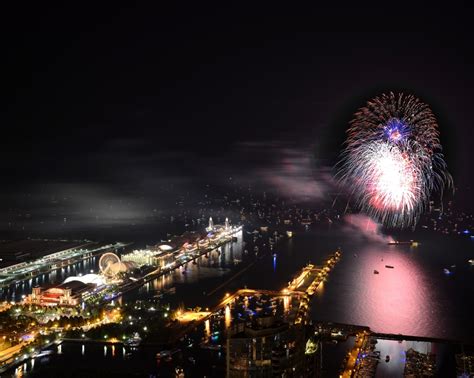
(393,160)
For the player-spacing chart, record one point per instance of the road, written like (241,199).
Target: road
(8,354)
(353,354)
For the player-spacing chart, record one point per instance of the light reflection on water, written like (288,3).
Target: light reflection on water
(216,263)
(227,317)
(397,352)
(395,300)
(207,327)
(414,298)
(15,291)
(320,288)
(286,304)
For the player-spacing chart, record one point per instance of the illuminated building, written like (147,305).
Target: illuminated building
(266,348)
(140,257)
(180,249)
(66,294)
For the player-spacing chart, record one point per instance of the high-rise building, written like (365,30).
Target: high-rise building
(266,348)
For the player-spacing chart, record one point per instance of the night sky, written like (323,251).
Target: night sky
(128,98)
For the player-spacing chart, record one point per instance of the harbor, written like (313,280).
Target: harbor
(75,252)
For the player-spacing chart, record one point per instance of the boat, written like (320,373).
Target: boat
(453,266)
(446,271)
(389,266)
(355,254)
(134,341)
(471,261)
(413,243)
(45,353)
(211,346)
(163,354)
(376,271)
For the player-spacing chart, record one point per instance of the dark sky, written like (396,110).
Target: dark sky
(124,95)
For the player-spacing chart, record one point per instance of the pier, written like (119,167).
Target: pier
(302,286)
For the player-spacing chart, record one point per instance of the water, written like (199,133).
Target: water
(397,352)
(15,291)
(207,270)
(82,360)
(414,298)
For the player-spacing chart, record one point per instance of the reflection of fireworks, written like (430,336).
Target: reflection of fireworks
(393,160)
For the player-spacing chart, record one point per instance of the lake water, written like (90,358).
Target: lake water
(413,298)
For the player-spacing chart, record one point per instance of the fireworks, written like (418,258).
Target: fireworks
(393,161)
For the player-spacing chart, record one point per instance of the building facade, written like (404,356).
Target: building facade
(267,348)
(65,294)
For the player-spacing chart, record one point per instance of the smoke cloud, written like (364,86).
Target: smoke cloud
(290,170)
(366,227)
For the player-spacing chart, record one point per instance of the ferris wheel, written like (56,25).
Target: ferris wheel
(110,264)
